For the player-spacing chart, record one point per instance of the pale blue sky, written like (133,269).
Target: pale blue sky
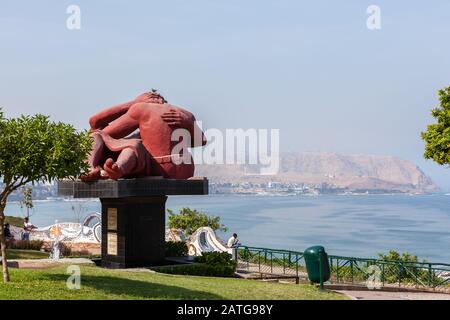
(311,69)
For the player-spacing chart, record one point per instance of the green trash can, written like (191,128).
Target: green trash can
(313,257)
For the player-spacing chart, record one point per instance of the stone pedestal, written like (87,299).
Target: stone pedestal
(133,215)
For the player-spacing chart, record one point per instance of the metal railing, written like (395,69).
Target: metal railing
(271,262)
(279,263)
(388,273)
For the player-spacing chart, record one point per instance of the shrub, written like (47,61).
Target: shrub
(395,256)
(216,259)
(80,253)
(64,250)
(198,269)
(26,245)
(407,269)
(14,221)
(210,264)
(189,220)
(176,249)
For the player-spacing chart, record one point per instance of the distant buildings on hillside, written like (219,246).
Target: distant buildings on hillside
(49,191)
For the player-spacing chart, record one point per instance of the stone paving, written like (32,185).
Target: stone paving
(272,270)
(382,295)
(46,263)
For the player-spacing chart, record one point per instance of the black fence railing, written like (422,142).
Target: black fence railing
(378,273)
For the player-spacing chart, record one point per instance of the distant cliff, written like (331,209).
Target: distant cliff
(354,173)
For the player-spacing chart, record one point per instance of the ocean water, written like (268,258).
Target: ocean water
(349,225)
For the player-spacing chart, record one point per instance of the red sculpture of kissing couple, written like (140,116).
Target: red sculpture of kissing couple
(135,139)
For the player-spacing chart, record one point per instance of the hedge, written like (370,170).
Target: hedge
(176,249)
(25,244)
(198,269)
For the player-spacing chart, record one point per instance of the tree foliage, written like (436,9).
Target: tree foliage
(437,136)
(395,256)
(32,149)
(188,220)
(27,199)
(15,221)
(406,269)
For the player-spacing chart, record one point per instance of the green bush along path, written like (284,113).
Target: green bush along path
(15,254)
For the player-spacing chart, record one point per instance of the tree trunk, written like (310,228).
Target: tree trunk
(3,243)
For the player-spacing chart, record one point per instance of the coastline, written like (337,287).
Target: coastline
(348,225)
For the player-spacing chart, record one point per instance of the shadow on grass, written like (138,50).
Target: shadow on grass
(136,288)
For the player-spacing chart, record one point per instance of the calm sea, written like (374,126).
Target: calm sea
(346,225)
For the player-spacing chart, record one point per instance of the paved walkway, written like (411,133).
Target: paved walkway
(382,295)
(267,269)
(45,263)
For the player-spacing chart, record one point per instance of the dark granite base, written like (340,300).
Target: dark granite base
(142,187)
(137,238)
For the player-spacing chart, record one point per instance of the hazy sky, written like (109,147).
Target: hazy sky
(311,69)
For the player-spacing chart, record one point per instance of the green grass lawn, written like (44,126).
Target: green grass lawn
(99,283)
(13,254)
